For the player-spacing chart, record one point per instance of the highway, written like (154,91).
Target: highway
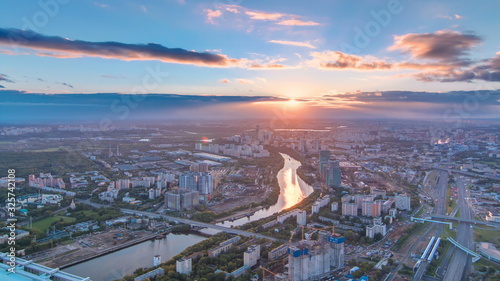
(439,209)
(461,263)
(186,221)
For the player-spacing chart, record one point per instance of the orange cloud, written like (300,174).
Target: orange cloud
(335,60)
(263,16)
(245,81)
(295,22)
(276,18)
(212,14)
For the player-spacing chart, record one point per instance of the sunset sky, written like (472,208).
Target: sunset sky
(330,53)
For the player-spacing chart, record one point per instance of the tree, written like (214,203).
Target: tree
(349,235)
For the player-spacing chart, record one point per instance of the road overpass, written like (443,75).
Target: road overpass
(444,217)
(187,221)
(199,224)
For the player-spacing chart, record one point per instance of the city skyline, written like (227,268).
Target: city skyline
(387,59)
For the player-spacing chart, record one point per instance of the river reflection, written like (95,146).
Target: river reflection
(292,191)
(125,261)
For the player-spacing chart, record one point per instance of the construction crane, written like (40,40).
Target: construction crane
(264,272)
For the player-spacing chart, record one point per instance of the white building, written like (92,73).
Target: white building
(315,207)
(184,266)
(374,229)
(393,212)
(156,260)
(335,206)
(349,209)
(251,255)
(403,202)
(152,193)
(302,218)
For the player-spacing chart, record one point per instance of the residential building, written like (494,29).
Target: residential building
(184,266)
(403,202)
(251,256)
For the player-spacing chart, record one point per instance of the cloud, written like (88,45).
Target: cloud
(295,22)
(67,85)
(55,46)
(293,43)
(3,77)
(2,87)
(257,15)
(446,46)
(245,81)
(212,14)
(335,60)
(224,81)
(455,16)
(263,80)
(102,5)
(264,16)
(486,70)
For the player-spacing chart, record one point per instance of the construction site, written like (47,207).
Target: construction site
(310,259)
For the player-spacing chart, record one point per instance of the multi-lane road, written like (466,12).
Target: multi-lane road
(439,209)
(460,264)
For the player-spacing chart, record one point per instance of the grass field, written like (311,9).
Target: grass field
(44,224)
(482,235)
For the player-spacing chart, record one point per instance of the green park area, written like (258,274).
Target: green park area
(44,224)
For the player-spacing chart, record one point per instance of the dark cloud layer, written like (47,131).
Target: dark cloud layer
(4,77)
(446,46)
(487,70)
(56,46)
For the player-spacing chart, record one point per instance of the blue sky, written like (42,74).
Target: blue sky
(287,48)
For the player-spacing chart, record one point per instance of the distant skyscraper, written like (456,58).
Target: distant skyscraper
(333,174)
(189,181)
(203,168)
(324,157)
(205,183)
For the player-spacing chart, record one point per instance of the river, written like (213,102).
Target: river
(125,261)
(292,191)
(120,263)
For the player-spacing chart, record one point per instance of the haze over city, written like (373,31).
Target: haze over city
(254,140)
